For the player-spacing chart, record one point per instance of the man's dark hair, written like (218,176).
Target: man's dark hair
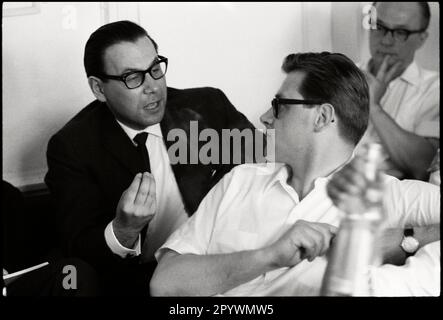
(106,36)
(334,78)
(425,14)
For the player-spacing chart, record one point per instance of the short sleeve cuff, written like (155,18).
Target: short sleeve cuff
(176,246)
(116,247)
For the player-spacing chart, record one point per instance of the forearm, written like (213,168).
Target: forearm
(410,152)
(391,249)
(427,234)
(207,275)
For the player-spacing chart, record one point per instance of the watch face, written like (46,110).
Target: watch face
(409,244)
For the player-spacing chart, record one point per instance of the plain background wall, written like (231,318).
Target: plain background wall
(237,47)
(43,82)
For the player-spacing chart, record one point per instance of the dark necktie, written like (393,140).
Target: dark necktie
(140,139)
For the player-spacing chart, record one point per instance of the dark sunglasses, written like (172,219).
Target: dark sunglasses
(276,102)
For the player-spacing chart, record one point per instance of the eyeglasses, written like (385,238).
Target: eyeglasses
(276,102)
(135,79)
(400,35)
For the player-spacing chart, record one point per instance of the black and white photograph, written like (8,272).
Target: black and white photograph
(221,149)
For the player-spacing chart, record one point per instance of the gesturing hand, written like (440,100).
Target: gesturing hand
(304,240)
(378,83)
(135,209)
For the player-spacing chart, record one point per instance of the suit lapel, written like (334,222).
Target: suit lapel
(191,178)
(168,123)
(118,143)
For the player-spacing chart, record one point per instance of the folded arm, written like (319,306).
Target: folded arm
(389,242)
(409,152)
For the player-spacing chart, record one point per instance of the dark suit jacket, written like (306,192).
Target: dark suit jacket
(92,161)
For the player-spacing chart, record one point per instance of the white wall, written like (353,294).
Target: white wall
(237,47)
(44,83)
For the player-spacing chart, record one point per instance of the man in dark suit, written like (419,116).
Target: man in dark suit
(117,203)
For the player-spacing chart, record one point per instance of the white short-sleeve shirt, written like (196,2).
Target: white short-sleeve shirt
(412,100)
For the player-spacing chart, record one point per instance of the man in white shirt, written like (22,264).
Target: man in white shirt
(404,98)
(258,225)
(251,232)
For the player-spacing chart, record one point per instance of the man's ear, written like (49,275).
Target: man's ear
(422,39)
(325,116)
(96,86)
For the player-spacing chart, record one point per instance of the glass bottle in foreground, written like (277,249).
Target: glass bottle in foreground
(353,252)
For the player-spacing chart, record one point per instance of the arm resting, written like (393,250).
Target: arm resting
(207,275)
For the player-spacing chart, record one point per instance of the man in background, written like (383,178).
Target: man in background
(404,97)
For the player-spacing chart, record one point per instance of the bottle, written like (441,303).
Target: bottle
(353,252)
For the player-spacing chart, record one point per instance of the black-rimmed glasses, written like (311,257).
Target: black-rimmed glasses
(400,35)
(135,79)
(276,102)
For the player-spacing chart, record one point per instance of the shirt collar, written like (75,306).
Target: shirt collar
(131,133)
(281,174)
(411,74)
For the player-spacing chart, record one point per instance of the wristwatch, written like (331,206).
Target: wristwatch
(409,244)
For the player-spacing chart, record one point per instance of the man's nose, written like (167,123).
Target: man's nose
(267,118)
(150,84)
(388,38)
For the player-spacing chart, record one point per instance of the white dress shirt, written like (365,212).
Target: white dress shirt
(253,206)
(420,276)
(412,100)
(170,208)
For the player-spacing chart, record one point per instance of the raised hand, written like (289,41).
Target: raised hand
(135,209)
(379,82)
(347,187)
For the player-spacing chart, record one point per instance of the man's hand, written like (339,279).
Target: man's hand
(135,209)
(379,82)
(305,240)
(347,187)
